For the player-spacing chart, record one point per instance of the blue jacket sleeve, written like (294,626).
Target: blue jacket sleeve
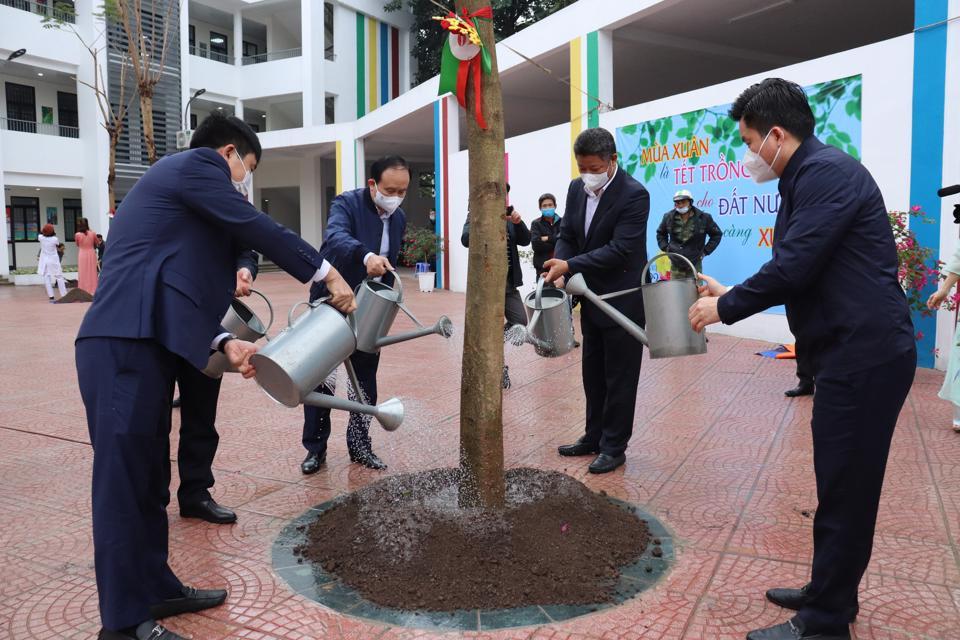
(824,208)
(249,259)
(340,244)
(205,189)
(628,236)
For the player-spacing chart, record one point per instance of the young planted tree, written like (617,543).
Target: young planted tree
(481,395)
(112,112)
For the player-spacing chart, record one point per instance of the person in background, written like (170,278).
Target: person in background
(544,231)
(48,263)
(364,231)
(950,390)
(834,266)
(518,235)
(684,230)
(87,270)
(603,237)
(101,245)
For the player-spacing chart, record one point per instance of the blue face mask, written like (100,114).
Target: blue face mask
(548,213)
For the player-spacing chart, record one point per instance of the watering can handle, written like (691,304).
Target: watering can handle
(269,306)
(646,268)
(399,284)
(312,305)
(539,294)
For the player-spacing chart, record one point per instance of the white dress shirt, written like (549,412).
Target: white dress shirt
(384,237)
(593,201)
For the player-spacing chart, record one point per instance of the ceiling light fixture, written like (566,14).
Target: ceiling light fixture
(37,189)
(219,108)
(216,40)
(756,12)
(40,73)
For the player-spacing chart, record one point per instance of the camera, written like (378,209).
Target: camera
(949,191)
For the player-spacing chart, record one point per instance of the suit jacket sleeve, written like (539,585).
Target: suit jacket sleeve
(205,189)
(714,232)
(566,246)
(628,235)
(340,244)
(662,231)
(249,259)
(824,209)
(521,234)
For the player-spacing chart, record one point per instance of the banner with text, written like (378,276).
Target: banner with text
(701,151)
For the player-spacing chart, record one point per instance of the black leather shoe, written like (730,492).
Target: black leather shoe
(176,403)
(506,377)
(312,463)
(792,598)
(208,510)
(578,448)
(191,601)
(148,630)
(605,463)
(368,459)
(802,389)
(793,630)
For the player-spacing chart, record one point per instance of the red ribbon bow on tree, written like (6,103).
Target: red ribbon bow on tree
(463,57)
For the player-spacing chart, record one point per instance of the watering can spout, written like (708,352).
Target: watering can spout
(577,286)
(443,327)
(389,414)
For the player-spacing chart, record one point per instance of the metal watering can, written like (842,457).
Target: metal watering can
(241,321)
(377,306)
(549,321)
(666,304)
(300,357)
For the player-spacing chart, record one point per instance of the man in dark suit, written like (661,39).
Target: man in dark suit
(834,266)
(518,235)
(165,284)
(364,230)
(603,236)
(197,448)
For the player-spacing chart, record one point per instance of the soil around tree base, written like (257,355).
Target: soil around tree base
(403,543)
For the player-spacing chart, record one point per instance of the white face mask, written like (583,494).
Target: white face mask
(594,181)
(759,170)
(388,204)
(682,209)
(244,185)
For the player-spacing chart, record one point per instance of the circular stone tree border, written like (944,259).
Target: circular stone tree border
(311,581)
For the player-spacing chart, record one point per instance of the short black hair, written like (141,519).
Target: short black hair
(387,162)
(546,196)
(218,130)
(775,102)
(595,142)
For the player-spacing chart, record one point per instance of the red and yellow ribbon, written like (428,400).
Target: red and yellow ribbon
(456,72)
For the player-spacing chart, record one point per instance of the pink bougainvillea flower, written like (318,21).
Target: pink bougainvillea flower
(915,207)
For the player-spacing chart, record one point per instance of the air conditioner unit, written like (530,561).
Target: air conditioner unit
(183,139)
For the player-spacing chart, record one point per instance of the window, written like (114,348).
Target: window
(328,31)
(250,49)
(193,121)
(25,218)
(71,212)
(219,47)
(21,108)
(254,126)
(330,109)
(426,184)
(193,37)
(67,114)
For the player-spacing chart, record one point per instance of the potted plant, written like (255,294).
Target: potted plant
(420,248)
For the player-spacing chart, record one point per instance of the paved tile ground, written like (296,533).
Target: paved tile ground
(718,454)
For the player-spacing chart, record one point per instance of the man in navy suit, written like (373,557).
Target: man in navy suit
(834,266)
(364,230)
(165,284)
(199,395)
(603,236)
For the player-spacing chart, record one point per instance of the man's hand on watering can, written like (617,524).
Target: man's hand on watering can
(244,282)
(556,268)
(704,312)
(238,352)
(377,266)
(341,295)
(710,287)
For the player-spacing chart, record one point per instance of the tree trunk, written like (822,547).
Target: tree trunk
(481,394)
(112,170)
(146,117)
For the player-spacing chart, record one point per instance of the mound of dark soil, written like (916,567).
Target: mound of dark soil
(403,543)
(75,295)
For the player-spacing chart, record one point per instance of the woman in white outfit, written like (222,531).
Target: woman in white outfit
(48,266)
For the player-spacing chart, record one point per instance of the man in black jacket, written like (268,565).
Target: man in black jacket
(834,266)
(518,235)
(544,231)
(603,236)
(198,399)
(684,230)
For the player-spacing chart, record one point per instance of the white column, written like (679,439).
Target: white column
(605,65)
(360,162)
(405,58)
(185,61)
(311,200)
(312,43)
(238,108)
(237,38)
(4,225)
(94,194)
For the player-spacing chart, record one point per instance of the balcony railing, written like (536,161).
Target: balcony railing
(272,55)
(29,126)
(42,8)
(210,55)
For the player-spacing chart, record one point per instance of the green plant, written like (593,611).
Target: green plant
(29,271)
(915,271)
(420,244)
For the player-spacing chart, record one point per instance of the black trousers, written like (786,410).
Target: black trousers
(854,416)
(198,433)
(316,420)
(513,308)
(611,372)
(804,370)
(127,387)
